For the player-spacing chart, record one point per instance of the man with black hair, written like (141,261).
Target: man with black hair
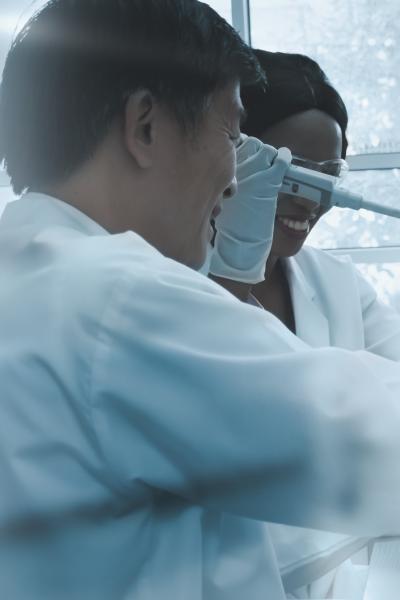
(139,449)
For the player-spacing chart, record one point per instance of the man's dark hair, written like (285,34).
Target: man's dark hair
(72,68)
(296,83)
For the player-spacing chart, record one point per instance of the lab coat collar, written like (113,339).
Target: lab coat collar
(47,210)
(312,326)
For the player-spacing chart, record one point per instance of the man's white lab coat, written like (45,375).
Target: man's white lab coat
(149,421)
(354,319)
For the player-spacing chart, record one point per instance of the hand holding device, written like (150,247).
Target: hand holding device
(246,222)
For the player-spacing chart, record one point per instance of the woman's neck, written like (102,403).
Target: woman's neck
(272,268)
(274,293)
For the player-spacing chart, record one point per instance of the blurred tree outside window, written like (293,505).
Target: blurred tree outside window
(385,278)
(358,46)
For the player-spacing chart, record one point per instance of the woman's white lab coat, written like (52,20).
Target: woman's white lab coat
(333,306)
(149,421)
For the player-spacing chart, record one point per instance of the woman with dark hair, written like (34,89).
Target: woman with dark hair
(322,299)
(299,109)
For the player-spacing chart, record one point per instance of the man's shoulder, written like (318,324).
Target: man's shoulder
(124,269)
(94,266)
(125,255)
(63,255)
(107,256)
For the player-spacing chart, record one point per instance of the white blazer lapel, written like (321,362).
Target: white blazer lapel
(312,326)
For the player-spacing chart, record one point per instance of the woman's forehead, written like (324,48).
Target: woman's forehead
(312,134)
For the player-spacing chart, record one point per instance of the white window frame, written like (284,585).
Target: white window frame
(241,18)
(380,254)
(367,162)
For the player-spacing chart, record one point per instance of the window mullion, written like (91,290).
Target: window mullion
(241,19)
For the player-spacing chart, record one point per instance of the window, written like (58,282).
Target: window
(223,7)
(346,228)
(357,44)
(6,195)
(384,278)
(13,14)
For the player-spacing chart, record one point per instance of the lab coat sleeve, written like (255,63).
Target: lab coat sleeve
(215,402)
(381,323)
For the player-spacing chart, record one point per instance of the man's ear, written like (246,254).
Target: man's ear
(140,127)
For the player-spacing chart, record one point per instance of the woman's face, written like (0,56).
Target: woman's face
(313,135)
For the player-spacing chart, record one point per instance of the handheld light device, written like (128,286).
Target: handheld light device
(323,189)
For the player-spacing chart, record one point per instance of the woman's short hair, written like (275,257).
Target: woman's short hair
(295,83)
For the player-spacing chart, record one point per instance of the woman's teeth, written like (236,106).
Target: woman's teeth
(295,225)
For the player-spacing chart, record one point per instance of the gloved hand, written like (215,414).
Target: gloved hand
(245,225)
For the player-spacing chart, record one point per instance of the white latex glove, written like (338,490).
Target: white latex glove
(245,225)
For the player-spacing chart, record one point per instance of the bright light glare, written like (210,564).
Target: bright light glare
(8,23)
(11,22)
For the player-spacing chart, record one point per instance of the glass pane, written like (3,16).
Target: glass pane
(385,278)
(13,15)
(6,195)
(223,7)
(357,44)
(346,228)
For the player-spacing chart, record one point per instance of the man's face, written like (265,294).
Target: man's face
(199,173)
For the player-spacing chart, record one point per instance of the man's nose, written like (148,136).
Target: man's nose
(231,190)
